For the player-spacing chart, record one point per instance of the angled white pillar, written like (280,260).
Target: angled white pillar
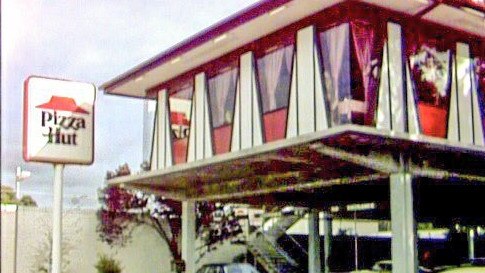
(396,77)
(245,94)
(327,243)
(292,122)
(314,262)
(200,142)
(188,235)
(413,122)
(453,126)
(163,142)
(321,113)
(236,125)
(305,70)
(257,117)
(154,155)
(464,88)
(247,127)
(404,249)
(383,101)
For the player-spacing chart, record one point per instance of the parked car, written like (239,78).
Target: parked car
(385,266)
(476,265)
(227,268)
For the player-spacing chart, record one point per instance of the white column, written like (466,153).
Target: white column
(200,136)
(453,127)
(188,235)
(57,219)
(163,133)
(404,250)
(314,263)
(396,77)
(327,243)
(383,102)
(305,70)
(251,133)
(413,122)
(464,91)
(471,243)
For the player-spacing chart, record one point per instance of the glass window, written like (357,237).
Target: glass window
(222,94)
(336,66)
(351,57)
(430,65)
(366,60)
(180,103)
(274,79)
(149,113)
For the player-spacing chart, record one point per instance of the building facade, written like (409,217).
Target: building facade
(383,88)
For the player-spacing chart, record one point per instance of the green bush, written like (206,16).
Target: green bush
(107,264)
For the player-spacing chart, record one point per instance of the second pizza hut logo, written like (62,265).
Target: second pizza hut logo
(59,127)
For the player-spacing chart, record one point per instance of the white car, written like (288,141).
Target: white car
(465,269)
(227,268)
(386,267)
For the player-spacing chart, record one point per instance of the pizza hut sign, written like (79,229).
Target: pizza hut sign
(58,121)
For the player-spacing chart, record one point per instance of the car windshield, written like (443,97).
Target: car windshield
(239,268)
(210,269)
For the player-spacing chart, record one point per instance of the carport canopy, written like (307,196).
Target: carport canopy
(306,165)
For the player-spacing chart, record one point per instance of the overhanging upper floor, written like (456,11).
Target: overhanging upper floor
(345,155)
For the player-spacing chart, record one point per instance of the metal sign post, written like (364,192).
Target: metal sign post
(57,219)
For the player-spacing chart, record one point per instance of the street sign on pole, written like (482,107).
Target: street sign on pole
(58,128)
(58,121)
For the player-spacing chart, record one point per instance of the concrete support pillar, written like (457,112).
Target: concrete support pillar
(327,243)
(314,262)
(471,243)
(404,250)
(188,235)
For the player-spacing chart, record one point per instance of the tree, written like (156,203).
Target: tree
(122,210)
(8,197)
(27,200)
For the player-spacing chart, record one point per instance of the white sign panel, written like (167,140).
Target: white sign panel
(58,121)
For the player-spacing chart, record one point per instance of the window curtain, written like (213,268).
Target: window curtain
(222,90)
(336,60)
(367,49)
(274,75)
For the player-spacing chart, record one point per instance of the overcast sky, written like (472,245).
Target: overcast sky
(89,41)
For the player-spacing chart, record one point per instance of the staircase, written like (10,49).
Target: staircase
(280,225)
(267,252)
(271,257)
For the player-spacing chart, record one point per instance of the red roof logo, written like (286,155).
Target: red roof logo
(63,104)
(178,118)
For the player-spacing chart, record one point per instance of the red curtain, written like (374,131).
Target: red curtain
(368,44)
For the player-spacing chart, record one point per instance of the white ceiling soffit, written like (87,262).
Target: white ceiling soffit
(457,18)
(405,6)
(237,37)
